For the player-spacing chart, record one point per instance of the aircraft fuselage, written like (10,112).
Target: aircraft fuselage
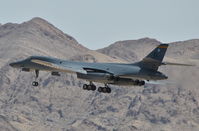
(97,72)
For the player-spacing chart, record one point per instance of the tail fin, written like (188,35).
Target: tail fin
(154,59)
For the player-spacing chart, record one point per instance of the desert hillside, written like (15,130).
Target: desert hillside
(59,103)
(134,50)
(180,52)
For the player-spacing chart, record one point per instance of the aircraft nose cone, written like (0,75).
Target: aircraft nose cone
(12,64)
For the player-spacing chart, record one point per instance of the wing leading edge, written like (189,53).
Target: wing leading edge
(63,67)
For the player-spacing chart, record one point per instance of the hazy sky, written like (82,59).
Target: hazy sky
(98,23)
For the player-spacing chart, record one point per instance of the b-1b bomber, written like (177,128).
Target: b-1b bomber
(135,74)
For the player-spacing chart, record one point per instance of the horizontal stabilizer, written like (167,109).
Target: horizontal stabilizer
(176,64)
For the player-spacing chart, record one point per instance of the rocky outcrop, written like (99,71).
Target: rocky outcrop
(59,103)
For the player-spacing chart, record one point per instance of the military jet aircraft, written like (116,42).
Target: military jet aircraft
(106,73)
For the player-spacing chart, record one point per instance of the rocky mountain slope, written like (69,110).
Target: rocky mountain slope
(60,104)
(37,36)
(180,52)
(134,50)
(182,78)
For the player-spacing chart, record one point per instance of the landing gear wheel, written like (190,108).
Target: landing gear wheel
(85,87)
(93,87)
(35,83)
(89,87)
(104,90)
(108,90)
(100,89)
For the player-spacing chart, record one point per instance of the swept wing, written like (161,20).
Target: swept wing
(63,68)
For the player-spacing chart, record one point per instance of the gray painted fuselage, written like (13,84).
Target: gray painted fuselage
(98,72)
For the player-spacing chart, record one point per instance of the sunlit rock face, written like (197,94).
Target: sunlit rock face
(59,103)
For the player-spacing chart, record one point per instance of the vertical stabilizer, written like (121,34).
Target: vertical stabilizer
(154,59)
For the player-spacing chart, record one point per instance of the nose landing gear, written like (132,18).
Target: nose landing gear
(35,83)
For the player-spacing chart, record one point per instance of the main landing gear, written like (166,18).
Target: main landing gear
(92,87)
(105,89)
(35,83)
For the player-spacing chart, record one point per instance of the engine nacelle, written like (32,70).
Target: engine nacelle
(108,79)
(123,81)
(94,76)
(126,81)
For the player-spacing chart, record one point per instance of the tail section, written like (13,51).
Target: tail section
(154,59)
